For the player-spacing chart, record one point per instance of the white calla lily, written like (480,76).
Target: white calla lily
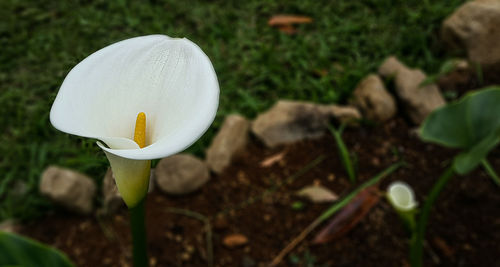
(171,80)
(401,196)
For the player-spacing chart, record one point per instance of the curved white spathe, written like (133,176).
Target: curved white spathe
(401,196)
(171,80)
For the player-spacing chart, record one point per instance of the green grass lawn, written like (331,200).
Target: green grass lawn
(256,65)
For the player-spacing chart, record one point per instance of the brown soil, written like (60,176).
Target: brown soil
(458,82)
(464,229)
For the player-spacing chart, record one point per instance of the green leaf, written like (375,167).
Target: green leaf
(466,123)
(344,152)
(20,251)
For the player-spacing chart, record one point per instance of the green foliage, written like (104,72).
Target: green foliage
(42,40)
(471,124)
(345,157)
(20,251)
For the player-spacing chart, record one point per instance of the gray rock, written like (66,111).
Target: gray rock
(475,27)
(342,114)
(70,189)
(181,174)
(112,199)
(231,139)
(418,100)
(291,121)
(373,100)
(390,67)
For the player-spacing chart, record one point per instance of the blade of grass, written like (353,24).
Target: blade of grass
(491,172)
(344,153)
(334,208)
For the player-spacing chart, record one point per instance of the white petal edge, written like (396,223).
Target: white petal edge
(401,196)
(100,97)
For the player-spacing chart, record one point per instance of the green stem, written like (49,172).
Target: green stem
(343,152)
(408,219)
(416,249)
(138,228)
(491,172)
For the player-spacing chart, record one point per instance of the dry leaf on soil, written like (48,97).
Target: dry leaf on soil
(269,161)
(235,240)
(318,194)
(285,22)
(349,216)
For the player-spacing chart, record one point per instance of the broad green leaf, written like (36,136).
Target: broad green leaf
(20,251)
(466,123)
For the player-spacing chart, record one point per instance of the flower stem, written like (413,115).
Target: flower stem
(489,169)
(138,228)
(417,242)
(409,221)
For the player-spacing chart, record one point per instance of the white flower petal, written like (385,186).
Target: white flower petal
(171,80)
(401,196)
(117,143)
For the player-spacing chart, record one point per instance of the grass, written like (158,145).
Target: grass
(256,65)
(344,154)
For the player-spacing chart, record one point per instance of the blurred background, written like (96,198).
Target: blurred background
(256,64)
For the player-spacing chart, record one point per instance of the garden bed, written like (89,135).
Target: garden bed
(464,229)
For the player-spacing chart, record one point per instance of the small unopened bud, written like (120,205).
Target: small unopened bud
(401,196)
